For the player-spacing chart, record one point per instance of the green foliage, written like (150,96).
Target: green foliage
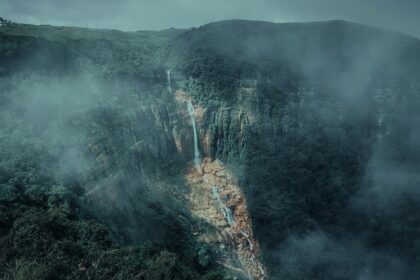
(23,270)
(306,156)
(42,238)
(43,235)
(214,275)
(203,255)
(213,77)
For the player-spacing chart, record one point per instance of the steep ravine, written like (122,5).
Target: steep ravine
(203,144)
(217,203)
(213,192)
(226,132)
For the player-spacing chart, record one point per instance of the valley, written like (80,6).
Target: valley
(234,150)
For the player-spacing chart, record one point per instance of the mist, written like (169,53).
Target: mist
(336,194)
(74,125)
(318,121)
(145,14)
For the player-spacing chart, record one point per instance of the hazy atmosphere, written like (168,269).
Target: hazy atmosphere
(401,15)
(256,140)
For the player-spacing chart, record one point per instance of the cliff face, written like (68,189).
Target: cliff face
(306,118)
(310,117)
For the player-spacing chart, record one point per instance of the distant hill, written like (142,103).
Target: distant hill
(305,134)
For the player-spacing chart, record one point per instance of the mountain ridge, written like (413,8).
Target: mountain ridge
(220,23)
(307,133)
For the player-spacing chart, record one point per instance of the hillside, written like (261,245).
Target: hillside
(236,149)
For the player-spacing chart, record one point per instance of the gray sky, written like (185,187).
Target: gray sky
(400,15)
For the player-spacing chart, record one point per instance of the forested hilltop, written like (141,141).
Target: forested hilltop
(304,136)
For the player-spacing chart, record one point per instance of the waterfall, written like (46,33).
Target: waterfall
(380,124)
(168,75)
(251,246)
(196,151)
(225,210)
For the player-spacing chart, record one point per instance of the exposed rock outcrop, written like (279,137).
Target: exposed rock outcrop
(231,239)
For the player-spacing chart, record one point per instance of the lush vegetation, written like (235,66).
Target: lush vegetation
(328,160)
(77,113)
(320,124)
(44,235)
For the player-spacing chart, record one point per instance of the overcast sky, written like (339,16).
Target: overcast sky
(400,15)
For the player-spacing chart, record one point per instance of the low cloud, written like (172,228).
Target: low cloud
(316,254)
(161,14)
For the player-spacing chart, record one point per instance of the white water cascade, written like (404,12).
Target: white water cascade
(196,151)
(251,246)
(168,75)
(225,210)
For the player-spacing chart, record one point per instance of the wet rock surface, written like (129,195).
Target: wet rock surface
(233,242)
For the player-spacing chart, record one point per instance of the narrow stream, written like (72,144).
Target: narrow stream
(225,210)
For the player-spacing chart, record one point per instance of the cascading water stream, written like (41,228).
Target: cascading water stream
(196,151)
(225,210)
(168,75)
(251,246)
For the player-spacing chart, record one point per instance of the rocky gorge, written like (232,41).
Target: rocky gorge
(254,149)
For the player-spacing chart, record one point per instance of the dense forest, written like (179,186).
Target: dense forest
(328,165)
(319,122)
